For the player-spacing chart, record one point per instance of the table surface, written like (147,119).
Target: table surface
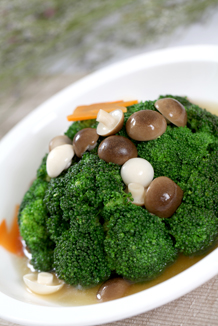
(197,308)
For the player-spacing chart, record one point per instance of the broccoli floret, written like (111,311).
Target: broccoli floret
(42,172)
(79,125)
(33,230)
(193,228)
(79,257)
(137,244)
(176,153)
(36,190)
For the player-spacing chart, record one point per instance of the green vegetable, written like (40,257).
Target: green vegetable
(34,232)
(83,224)
(137,244)
(176,153)
(194,229)
(79,256)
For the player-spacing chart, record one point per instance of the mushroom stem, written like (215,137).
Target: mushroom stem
(137,192)
(45,278)
(107,119)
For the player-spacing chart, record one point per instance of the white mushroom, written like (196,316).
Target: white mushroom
(58,141)
(137,170)
(42,283)
(138,193)
(109,123)
(59,159)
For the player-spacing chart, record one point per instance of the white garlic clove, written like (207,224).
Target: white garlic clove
(59,159)
(42,283)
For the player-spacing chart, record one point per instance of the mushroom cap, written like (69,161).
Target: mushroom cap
(43,284)
(137,170)
(59,159)
(163,197)
(58,141)
(117,149)
(112,289)
(85,139)
(145,125)
(172,110)
(104,130)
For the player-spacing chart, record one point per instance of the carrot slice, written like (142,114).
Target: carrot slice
(10,239)
(86,112)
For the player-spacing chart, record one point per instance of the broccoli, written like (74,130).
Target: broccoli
(194,229)
(176,153)
(33,230)
(137,244)
(32,221)
(83,225)
(79,257)
(36,190)
(42,172)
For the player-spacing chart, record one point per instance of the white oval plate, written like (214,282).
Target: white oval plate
(191,71)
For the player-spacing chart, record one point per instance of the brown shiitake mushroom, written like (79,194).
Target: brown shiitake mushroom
(163,197)
(145,125)
(58,141)
(172,110)
(85,139)
(112,289)
(117,149)
(109,123)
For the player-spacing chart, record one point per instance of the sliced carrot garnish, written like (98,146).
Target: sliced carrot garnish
(10,239)
(86,112)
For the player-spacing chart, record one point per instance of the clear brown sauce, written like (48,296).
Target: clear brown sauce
(70,296)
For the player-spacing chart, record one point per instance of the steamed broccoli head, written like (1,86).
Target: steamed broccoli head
(32,219)
(79,257)
(176,153)
(36,190)
(137,244)
(42,171)
(194,229)
(35,234)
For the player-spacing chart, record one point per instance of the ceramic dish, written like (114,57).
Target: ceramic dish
(191,71)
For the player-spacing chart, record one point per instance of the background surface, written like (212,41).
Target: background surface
(47,45)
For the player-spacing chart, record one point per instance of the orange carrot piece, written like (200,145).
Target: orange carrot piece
(86,112)
(10,239)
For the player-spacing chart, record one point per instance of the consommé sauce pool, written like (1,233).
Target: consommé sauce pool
(70,296)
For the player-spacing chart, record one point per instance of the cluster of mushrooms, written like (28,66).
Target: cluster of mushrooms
(160,196)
